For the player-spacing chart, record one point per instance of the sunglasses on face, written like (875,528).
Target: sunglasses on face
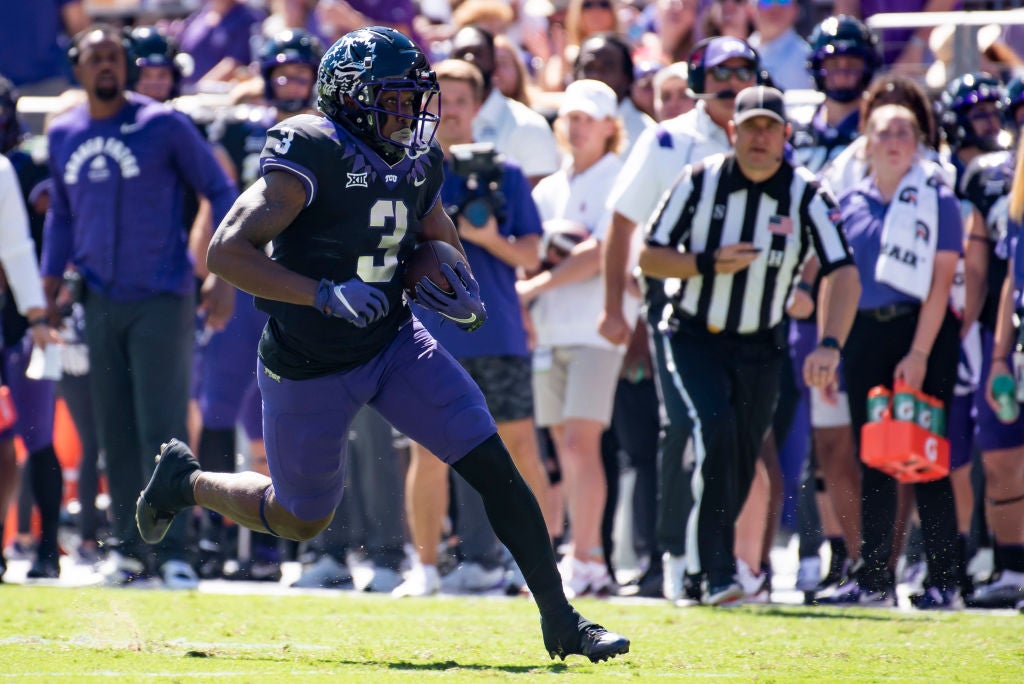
(724,73)
(597,4)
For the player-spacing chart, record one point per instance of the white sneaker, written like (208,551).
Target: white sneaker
(673,569)
(382,580)
(472,578)
(601,583)
(754,586)
(808,575)
(124,571)
(178,574)
(421,580)
(575,576)
(325,573)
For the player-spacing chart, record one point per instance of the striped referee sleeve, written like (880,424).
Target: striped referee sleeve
(671,222)
(820,218)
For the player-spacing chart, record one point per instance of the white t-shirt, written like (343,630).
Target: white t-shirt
(635,122)
(658,158)
(568,315)
(17,249)
(518,132)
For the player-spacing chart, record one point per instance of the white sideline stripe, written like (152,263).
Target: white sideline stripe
(697,480)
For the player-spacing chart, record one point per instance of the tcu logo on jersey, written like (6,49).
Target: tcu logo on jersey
(391,178)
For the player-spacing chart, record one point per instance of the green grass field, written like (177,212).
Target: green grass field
(57,634)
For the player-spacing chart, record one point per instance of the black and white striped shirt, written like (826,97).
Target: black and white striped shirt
(713,204)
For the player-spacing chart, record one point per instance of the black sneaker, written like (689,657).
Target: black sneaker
(44,569)
(168,491)
(580,636)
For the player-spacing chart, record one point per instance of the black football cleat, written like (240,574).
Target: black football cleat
(168,491)
(580,636)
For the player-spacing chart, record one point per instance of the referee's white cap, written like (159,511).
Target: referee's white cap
(759,100)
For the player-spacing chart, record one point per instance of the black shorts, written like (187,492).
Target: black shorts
(507,384)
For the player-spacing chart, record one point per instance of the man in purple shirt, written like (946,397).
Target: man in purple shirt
(121,164)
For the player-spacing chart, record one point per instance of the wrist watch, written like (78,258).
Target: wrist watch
(831,343)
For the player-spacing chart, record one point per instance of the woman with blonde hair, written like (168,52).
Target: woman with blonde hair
(903,223)
(575,370)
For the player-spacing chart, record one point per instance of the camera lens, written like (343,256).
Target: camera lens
(477,212)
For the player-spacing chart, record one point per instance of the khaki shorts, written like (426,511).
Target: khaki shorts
(574,382)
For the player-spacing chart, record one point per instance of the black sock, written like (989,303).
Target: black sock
(838,547)
(217,450)
(48,490)
(517,520)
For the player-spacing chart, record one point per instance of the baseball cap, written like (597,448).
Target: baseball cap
(591,97)
(759,101)
(724,48)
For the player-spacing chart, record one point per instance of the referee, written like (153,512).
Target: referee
(736,228)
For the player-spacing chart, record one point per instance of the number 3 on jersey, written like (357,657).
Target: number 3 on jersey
(369,268)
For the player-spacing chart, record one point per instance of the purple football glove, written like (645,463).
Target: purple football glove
(464,308)
(355,301)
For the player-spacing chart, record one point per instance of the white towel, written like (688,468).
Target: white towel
(910,233)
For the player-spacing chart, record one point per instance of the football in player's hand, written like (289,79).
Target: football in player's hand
(426,261)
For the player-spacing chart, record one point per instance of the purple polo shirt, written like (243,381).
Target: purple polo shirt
(117,210)
(209,44)
(863,214)
(894,40)
(30,34)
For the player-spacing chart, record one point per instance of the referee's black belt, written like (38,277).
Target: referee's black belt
(774,336)
(890,311)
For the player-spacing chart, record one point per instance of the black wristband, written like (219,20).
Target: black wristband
(831,343)
(42,320)
(706,264)
(805,286)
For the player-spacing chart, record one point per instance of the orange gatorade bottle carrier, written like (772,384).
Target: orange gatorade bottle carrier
(905,438)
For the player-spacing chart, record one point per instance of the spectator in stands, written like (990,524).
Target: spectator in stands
(34,36)
(583,18)
(783,52)
(674,31)
(338,17)
(517,131)
(904,49)
(606,57)
(218,37)
(575,370)
(120,164)
(670,96)
(728,18)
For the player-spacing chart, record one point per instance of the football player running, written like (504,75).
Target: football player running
(344,198)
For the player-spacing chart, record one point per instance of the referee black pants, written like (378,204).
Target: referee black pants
(730,385)
(872,352)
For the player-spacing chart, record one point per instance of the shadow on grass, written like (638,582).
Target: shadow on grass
(454,665)
(836,613)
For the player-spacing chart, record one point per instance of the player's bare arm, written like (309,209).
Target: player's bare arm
(438,225)
(237,249)
(614,254)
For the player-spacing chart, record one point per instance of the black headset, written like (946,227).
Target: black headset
(697,71)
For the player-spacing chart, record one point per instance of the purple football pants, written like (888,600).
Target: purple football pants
(413,383)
